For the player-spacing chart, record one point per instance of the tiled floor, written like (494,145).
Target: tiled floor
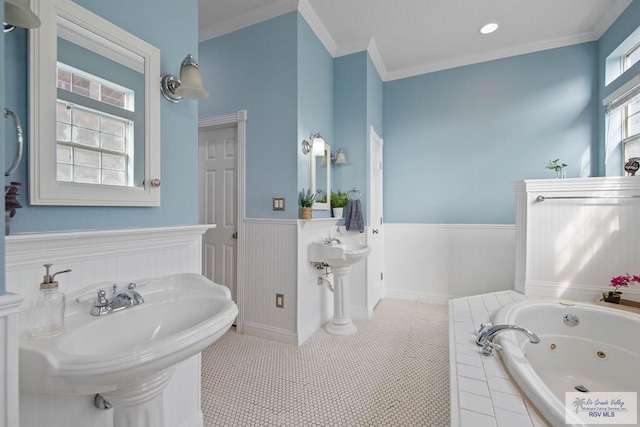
(393,372)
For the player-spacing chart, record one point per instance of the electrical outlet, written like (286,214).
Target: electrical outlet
(280,300)
(278,203)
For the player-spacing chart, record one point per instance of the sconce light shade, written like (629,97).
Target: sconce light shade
(316,146)
(189,85)
(18,13)
(341,159)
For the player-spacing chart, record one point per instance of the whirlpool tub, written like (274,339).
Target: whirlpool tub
(583,347)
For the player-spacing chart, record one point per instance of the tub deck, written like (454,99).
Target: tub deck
(482,394)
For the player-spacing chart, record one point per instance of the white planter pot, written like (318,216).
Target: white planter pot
(337,212)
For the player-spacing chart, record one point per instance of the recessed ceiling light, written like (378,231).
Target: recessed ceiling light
(489,28)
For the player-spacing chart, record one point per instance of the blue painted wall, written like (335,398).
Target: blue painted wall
(456,140)
(315,100)
(350,94)
(626,24)
(255,69)
(179,122)
(358,93)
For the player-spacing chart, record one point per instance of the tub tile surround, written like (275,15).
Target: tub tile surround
(482,393)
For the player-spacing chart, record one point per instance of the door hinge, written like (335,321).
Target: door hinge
(381,275)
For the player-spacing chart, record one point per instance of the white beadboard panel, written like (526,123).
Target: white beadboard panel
(9,397)
(99,256)
(271,259)
(96,256)
(436,262)
(570,248)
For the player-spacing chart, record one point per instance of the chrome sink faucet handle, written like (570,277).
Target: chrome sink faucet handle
(102,298)
(329,241)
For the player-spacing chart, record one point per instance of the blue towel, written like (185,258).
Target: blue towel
(353,219)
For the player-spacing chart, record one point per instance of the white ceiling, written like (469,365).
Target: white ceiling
(410,37)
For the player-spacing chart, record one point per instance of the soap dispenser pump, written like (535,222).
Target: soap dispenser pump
(48,320)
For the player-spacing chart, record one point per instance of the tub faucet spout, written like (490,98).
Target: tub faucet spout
(487,332)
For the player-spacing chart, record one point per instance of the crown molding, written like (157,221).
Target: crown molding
(317,26)
(431,67)
(609,18)
(377,60)
(247,19)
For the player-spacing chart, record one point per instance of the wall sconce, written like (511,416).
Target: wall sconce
(17,13)
(189,85)
(316,146)
(340,158)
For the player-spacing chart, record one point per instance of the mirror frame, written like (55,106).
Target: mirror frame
(107,39)
(321,206)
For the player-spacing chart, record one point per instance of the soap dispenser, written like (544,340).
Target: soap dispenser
(48,312)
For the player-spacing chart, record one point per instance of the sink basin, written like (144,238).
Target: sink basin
(338,255)
(181,315)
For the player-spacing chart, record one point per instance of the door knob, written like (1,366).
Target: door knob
(375,231)
(234,235)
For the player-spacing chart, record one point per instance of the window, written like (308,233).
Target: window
(631,57)
(94,131)
(631,128)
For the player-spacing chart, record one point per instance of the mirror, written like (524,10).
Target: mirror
(94,111)
(321,179)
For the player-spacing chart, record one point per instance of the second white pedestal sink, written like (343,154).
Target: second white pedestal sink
(340,257)
(128,356)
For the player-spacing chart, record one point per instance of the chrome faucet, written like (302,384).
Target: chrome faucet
(119,300)
(487,332)
(330,240)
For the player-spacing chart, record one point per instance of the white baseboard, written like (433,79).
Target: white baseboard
(196,420)
(361,312)
(270,333)
(418,296)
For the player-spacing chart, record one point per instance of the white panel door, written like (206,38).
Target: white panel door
(218,204)
(375,238)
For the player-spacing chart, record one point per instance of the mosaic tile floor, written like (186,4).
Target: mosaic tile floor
(393,372)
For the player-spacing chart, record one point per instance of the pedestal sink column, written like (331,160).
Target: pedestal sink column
(341,323)
(139,404)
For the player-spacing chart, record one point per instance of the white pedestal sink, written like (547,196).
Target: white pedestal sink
(340,257)
(128,357)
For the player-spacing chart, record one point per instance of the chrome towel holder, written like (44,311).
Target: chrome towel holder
(19,149)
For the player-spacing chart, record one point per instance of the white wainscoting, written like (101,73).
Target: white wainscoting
(437,262)
(96,256)
(276,263)
(9,399)
(571,248)
(270,268)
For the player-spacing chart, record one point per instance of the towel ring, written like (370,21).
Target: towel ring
(16,160)
(354,194)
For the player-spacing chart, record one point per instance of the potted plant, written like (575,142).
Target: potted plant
(617,283)
(339,200)
(558,167)
(306,200)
